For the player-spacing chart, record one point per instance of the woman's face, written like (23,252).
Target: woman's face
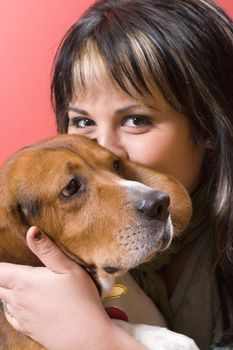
(149,132)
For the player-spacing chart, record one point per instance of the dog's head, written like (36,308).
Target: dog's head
(107,214)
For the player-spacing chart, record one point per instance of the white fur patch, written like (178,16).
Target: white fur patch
(134,185)
(106,285)
(169,228)
(154,338)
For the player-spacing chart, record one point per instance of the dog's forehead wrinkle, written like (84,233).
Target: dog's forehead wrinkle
(93,165)
(74,168)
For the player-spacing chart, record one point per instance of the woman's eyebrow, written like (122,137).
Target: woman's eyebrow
(130,107)
(127,108)
(78,110)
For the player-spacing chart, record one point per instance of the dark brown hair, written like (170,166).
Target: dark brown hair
(184,48)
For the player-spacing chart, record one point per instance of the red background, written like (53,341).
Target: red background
(30,31)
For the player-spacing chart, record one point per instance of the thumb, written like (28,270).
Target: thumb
(48,253)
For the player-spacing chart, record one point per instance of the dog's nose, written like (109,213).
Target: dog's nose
(154,205)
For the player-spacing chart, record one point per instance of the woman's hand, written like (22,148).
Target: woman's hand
(57,305)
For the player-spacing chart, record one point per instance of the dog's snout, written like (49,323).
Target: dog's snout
(155,205)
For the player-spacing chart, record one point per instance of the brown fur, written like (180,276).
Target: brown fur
(95,226)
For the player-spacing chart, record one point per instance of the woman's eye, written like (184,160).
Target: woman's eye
(80,122)
(72,188)
(137,121)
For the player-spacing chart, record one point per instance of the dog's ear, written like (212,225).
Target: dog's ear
(3,220)
(3,201)
(13,224)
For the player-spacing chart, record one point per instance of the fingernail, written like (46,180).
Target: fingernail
(37,236)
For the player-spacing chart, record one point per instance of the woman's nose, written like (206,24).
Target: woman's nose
(112,143)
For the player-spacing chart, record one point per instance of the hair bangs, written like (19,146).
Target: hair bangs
(89,70)
(128,68)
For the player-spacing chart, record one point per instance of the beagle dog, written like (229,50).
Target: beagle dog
(106,214)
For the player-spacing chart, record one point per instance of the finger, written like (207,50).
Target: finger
(11,274)
(10,318)
(5,295)
(49,254)
(7,308)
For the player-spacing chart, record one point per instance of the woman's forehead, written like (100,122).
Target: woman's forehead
(108,93)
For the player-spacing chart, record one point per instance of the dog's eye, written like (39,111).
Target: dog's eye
(117,166)
(72,188)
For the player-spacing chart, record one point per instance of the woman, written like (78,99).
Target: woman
(152,82)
